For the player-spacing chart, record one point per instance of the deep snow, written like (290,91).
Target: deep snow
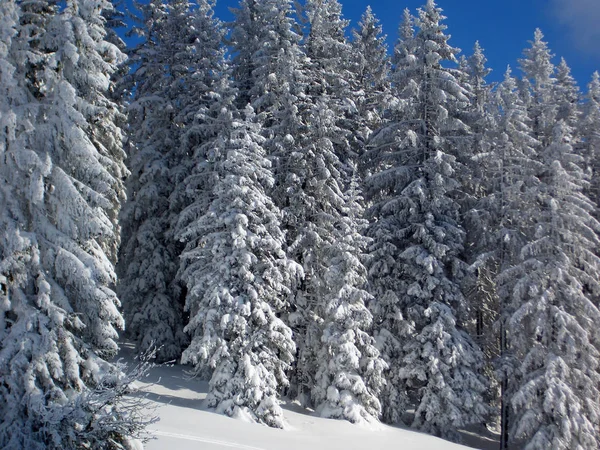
(185,424)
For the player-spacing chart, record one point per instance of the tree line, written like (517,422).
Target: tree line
(296,213)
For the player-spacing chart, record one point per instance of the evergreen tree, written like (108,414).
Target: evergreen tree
(59,199)
(567,96)
(330,76)
(268,73)
(100,111)
(245,39)
(479,183)
(512,205)
(310,189)
(267,58)
(330,302)
(191,176)
(478,72)
(177,69)
(403,55)
(481,122)
(477,115)
(589,128)
(371,67)
(538,87)
(239,280)
(552,329)
(416,270)
(349,377)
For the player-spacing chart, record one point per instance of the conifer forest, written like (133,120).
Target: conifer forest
(294,211)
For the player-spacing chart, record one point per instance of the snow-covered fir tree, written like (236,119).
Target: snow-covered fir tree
(267,58)
(538,87)
(478,117)
(478,183)
(553,328)
(97,56)
(146,263)
(177,69)
(267,71)
(371,67)
(349,377)
(192,178)
(77,208)
(59,199)
(330,75)
(567,96)
(329,309)
(589,130)
(403,55)
(239,279)
(415,269)
(510,203)
(246,31)
(317,217)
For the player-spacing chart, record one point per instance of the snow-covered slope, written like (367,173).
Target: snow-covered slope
(185,424)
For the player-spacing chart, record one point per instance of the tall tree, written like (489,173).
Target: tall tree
(191,177)
(403,55)
(510,200)
(479,181)
(177,70)
(590,132)
(552,329)
(60,197)
(268,72)
(330,75)
(267,58)
(567,96)
(318,217)
(239,279)
(349,376)
(100,111)
(416,268)
(371,65)
(538,87)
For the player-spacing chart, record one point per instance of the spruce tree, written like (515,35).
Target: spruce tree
(239,280)
(567,96)
(59,201)
(371,65)
(349,377)
(479,183)
(416,269)
(330,302)
(552,329)
(177,68)
(331,78)
(590,133)
(511,203)
(403,55)
(538,87)
(268,72)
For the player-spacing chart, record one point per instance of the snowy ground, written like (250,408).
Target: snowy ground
(185,424)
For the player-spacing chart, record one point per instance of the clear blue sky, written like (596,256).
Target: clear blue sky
(503,27)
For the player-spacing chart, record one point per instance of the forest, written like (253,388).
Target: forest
(293,210)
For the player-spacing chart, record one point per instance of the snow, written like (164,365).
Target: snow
(186,424)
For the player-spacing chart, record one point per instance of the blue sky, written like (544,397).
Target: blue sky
(503,27)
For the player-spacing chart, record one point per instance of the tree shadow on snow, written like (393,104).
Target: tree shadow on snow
(295,407)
